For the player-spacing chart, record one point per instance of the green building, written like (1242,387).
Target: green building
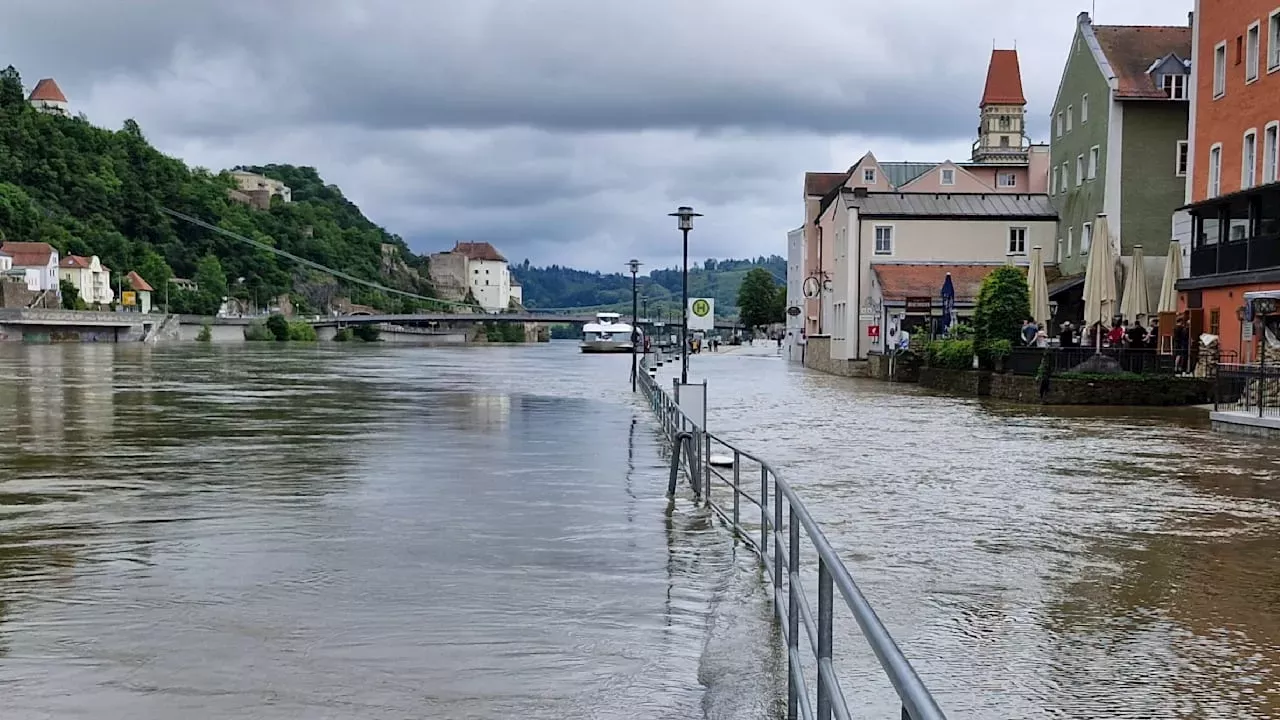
(1119,138)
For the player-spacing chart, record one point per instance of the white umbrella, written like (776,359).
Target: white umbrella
(1135,302)
(1038,289)
(1172,272)
(1100,280)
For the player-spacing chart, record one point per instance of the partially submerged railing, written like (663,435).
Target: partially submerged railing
(785,522)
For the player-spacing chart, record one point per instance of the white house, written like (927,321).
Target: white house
(141,290)
(488,277)
(90,276)
(795,294)
(47,97)
(38,260)
(871,229)
(249,182)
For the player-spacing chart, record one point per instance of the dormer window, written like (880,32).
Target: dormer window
(948,176)
(869,176)
(1175,85)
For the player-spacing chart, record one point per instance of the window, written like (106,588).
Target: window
(1053,181)
(869,176)
(1060,249)
(948,176)
(1270,153)
(1181,158)
(1273,43)
(1018,240)
(1249,160)
(1006,123)
(1093,161)
(1004,141)
(1086,237)
(1071,112)
(1007,180)
(1084,108)
(1215,170)
(1071,240)
(1252,50)
(476,271)
(1079,170)
(1215,319)
(1175,85)
(884,240)
(1066,177)
(1059,124)
(1220,70)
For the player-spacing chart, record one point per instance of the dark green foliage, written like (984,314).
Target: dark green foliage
(950,354)
(565,332)
(206,333)
(91,191)
(279,327)
(301,331)
(343,335)
(504,332)
(71,299)
(367,333)
(561,287)
(257,331)
(1003,303)
(758,301)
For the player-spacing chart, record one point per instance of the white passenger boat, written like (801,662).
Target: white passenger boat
(606,335)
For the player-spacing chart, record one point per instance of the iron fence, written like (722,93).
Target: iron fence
(1144,361)
(1247,388)
(755,487)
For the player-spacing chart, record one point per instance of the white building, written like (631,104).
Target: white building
(871,229)
(38,260)
(249,182)
(488,277)
(795,294)
(47,97)
(90,276)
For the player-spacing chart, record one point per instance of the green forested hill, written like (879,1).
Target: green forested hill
(560,287)
(91,191)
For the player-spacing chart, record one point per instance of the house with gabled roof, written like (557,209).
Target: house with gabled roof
(89,276)
(478,269)
(47,97)
(38,262)
(1119,138)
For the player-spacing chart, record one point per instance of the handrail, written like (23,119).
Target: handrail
(793,610)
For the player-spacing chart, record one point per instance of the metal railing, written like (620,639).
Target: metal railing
(1250,388)
(784,523)
(1140,361)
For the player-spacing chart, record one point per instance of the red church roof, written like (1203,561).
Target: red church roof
(48,91)
(1004,80)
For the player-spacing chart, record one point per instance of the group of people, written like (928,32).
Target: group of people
(1122,334)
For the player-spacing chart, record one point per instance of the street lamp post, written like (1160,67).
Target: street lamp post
(686,216)
(635,320)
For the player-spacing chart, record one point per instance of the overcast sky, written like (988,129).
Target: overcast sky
(562,131)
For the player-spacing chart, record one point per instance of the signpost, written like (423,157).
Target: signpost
(873,331)
(128,298)
(702,314)
(919,305)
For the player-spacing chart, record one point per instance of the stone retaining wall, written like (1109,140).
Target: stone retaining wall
(972,383)
(1148,391)
(817,356)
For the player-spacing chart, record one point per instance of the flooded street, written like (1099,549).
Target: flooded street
(388,532)
(1066,562)
(358,532)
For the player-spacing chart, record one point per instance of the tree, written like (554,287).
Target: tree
(279,327)
(210,276)
(71,299)
(1003,303)
(758,299)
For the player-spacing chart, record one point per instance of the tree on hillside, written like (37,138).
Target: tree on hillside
(758,299)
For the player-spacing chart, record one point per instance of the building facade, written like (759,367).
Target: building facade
(142,292)
(1119,138)
(795,295)
(47,97)
(249,182)
(479,269)
(1234,180)
(38,261)
(91,278)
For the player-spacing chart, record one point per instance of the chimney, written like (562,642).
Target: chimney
(1084,19)
(1191,19)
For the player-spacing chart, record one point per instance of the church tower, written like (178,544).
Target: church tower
(1002,129)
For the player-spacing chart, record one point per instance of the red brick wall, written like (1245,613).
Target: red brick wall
(1253,105)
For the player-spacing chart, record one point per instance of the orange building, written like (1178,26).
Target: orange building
(1234,166)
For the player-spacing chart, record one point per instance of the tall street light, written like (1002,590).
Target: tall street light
(635,320)
(686,216)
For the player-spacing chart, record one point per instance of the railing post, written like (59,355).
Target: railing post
(737,479)
(706,466)
(764,512)
(777,547)
(793,611)
(825,588)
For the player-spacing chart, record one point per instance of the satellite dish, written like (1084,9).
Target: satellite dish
(811,287)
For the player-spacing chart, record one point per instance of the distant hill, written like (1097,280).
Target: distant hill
(555,286)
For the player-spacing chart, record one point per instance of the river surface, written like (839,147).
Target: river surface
(389,532)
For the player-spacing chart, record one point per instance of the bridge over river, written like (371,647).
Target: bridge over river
(379,531)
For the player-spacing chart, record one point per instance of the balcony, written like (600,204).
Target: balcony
(1237,233)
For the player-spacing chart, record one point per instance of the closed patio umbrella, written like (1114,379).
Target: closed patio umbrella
(1172,272)
(1100,280)
(948,304)
(1038,289)
(1135,301)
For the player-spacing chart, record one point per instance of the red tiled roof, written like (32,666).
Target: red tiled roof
(1131,50)
(75,261)
(28,254)
(900,281)
(48,91)
(479,251)
(137,283)
(1004,80)
(820,183)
